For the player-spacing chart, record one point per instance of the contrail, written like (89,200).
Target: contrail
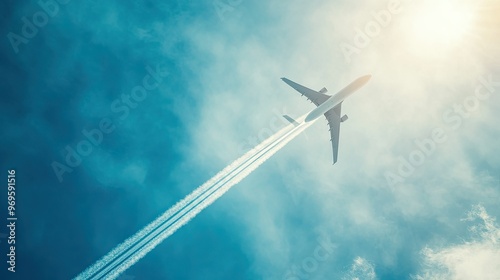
(166,230)
(176,208)
(134,248)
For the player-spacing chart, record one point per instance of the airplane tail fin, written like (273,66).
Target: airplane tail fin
(291,120)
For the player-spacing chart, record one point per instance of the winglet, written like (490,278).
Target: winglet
(291,120)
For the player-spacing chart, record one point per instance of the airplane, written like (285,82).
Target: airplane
(329,106)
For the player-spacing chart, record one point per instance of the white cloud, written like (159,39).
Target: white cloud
(361,269)
(478,258)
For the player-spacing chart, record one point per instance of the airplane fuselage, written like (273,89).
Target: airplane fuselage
(337,98)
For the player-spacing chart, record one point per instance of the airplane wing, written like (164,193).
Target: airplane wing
(334,120)
(315,97)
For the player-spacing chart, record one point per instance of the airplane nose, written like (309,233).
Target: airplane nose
(363,80)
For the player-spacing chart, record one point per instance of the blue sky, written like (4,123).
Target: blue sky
(218,92)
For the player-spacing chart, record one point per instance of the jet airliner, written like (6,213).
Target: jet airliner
(329,106)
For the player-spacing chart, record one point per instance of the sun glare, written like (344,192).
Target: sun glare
(440,25)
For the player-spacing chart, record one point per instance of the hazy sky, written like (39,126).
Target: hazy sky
(415,192)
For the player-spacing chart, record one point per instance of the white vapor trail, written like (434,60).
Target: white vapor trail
(137,246)
(175,209)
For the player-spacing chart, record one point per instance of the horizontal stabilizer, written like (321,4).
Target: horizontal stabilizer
(291,120)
